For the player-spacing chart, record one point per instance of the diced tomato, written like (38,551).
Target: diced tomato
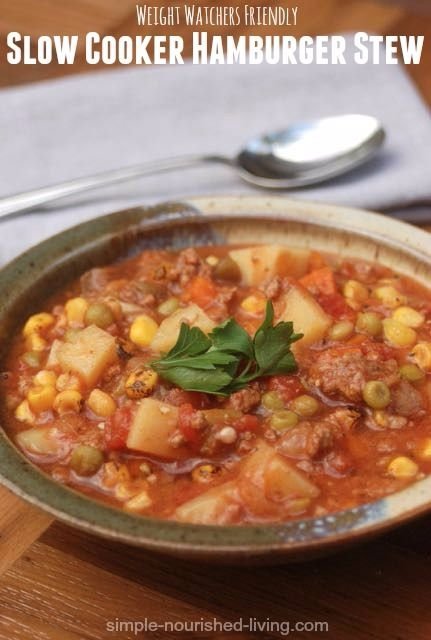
(117,429)
(288,387)
(336,306)
(200,290)
(186,415)
(320,281)
(179,396)
(247,422)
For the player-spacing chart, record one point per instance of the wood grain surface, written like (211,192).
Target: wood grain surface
(64,585)
(20,525)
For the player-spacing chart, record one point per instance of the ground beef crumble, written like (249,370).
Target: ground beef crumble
(346,373)
(188,265)
(246,399)
(310,439)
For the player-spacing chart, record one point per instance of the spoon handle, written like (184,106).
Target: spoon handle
(21,202)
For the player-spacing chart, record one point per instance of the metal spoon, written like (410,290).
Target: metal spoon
(304,154)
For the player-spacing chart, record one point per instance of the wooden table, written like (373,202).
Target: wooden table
(59,584)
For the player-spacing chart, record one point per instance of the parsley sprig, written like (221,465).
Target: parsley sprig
(228,359)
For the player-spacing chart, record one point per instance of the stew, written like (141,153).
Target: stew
(227,385)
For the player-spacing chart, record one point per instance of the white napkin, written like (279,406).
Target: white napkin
(67,128)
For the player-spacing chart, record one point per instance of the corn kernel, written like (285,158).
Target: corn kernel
(204,473)
(424,451)
(124,490)
(411,372)
(101,403)
(409,316)
(355,291)
(389,296)
(143,330)
(38,322)
(69,401)
(41,399)
(141,383)
(110,474)
(403,467)
(139,502)
(75,309)
(68,381)
(253,304)
(44,377)
(422,355)
(35,342)
(398,334)
(23,413)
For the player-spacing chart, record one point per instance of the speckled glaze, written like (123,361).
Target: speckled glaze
(28,280)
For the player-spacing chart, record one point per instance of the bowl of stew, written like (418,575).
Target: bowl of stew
(236,378)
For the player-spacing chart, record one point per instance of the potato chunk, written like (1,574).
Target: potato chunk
(257,264)
(89,355)
(216,506)
(53,361)
(268,482)
(306,314)
(39,441)
(283,480)
(151,428)
(169,329)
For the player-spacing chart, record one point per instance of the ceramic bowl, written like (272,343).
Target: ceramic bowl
(26,282)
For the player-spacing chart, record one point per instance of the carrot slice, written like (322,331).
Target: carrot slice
(320,281)
(201,291)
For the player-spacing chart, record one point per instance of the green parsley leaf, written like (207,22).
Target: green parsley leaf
(270,345)
(232,338)
(228,359)
(191,342)
(212,382)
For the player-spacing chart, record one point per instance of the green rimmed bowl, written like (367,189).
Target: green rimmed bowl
(30,279)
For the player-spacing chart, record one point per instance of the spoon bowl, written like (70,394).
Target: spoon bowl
(310,152)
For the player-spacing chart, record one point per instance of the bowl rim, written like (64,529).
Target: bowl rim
(23,478)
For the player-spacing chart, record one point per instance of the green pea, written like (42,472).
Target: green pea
(99,314)
(282,420)
(168,306)
(272,401)
(370,323)
(86,460)
(376,394)
(306,406)
(411,372)
(341,330)
(227,269)
(31,358)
